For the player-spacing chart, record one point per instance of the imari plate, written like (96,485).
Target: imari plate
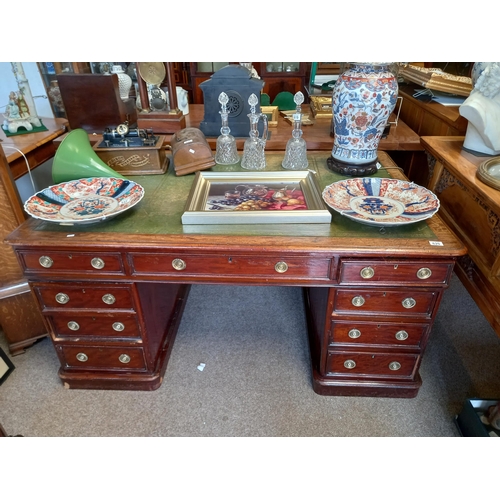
(84,201)
(381,202)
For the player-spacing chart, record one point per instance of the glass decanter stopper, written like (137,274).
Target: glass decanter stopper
(253,150)
(225,151)
(296,147)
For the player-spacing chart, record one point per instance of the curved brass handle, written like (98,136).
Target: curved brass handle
(124,358)
(394,366)
(82,357)
(108,298)
(424,273)
(349,364)
(62,298)
(281,267)
(367,272)
(178,264)
(358,301)
(354,333)
(409,302)
(73,325)
(97,263)
(45,261)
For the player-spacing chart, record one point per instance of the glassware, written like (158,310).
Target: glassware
(296,147)
(225,151)
(253,150)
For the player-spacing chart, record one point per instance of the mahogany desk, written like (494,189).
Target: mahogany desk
(112,294)
(19,318)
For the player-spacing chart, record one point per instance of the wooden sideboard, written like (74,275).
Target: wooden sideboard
(112,294)
(472,210)
(20,319)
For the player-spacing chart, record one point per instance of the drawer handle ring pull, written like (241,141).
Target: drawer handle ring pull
(73,325)
(367,272)
(349,364)
(424,273)
(358,301)
(108,298)
(401,335)
(62,298)
(178,264)
(281,267)
(409,302)
(45,261)
(118,327)
(354,333)
(124,358)
(394,366)
(82,357)
(97,263)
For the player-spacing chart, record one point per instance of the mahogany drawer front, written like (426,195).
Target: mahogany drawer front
(91,296)
(415,273)
(374,364)
(110,326)
(410,302)
(377,333)
(101,358)
(175,264)
(49,262)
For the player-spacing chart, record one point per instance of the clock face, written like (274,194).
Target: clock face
(122,129)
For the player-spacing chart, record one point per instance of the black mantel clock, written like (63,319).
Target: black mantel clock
(237,82)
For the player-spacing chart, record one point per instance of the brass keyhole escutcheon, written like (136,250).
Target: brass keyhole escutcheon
(178,264)
(424,273)
(358,301)
(45,261)
(97,263)
(367,272)
(281,267)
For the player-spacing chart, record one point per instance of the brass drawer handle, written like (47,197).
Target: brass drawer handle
(281,267)
(367,272)
(401,335)
(97,263)
(62,298)
(424,273)
(349,364)
(45,261)
(394,366)
(354,333)
(178,264)
(73,325)
(82,357)
(124,358)
(108,298)
(118,327)
(409,302)
(358,301)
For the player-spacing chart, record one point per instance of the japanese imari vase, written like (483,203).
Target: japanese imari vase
(364,97)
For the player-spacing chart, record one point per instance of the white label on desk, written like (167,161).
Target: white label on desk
(192,151)
(436,243)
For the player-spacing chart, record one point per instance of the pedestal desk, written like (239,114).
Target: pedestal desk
(472,210)
(370,296)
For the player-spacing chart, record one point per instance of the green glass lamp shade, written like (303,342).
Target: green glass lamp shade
(75,159)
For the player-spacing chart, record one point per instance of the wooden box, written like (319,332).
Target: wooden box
(190,151)
(141,160)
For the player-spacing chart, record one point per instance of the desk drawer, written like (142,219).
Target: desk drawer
(89,296)
(395,272)
(111,326)
(373,364)
(101,358)
(50,262)
(378,333)
(411,302)
(233,265)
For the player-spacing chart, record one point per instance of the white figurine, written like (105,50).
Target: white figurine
(482,109)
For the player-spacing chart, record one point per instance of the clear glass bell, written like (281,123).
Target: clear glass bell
(226,152)
(253,149)
(296,147)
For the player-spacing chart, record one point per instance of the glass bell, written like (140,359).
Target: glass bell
(253,150)
(296,147)
(226,152)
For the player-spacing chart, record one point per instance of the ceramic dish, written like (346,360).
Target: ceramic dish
(381,202)
(489,172)
(84,201)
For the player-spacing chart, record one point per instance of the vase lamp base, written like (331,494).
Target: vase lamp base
(352,169)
